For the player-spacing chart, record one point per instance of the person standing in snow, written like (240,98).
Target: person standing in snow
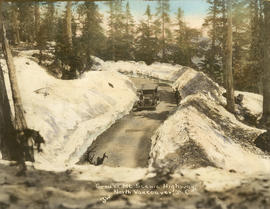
(177,96)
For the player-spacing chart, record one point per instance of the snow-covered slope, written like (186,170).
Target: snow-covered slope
(202,133)
(70,114)
(252,104)
(187,80)
(192,82)
(161,71)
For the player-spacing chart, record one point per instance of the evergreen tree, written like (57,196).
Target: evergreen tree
(146,47)
(26,20)
(77,59)
(163,32)
(68,23)
(128,35)
(47,26)
(241,41)
(111,33)
(215,22)
(266,73)
(92,38)
(64,36)
(115,46)
(243,65)
(37,19)
(15,23)
(256,46)
(186,41)
(8,16)
(10,147)
(49,21)
(19,119)
(229,57)
(64,53)
(41,40)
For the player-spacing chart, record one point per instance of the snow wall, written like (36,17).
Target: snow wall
(70,114)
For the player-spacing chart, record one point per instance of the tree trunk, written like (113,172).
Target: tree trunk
(37,19)
(10,147)
(15,25)
(266,81)
(68,23)
(20,122)
(229,74)
(223,44)
(8,144)
(163,31)
(19,119)
(213,44)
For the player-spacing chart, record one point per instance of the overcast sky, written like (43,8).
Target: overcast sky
(194,10)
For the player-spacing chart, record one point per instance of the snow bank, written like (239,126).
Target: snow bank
(70,114)
(161,71)
(192,82)
(28,53)
(252,104)
(203,133)
(187,80)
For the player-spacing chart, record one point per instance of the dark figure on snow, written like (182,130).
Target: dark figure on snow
(177,97)
(237,99)
(32,137)
(101,159)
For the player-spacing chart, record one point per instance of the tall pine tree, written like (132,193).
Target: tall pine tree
(266,66)
(241,42)
(37,19)
(116,28)
(92,38)
(146,47)
(15,23)
(214,55)
(163,31)
(26,20)
(49,22)
(186,41)
(128,35)
(255,67)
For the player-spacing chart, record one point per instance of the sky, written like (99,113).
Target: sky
(194,10)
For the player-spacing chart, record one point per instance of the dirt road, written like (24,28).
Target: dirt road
(127,143)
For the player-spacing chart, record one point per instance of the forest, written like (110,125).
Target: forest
(79,31)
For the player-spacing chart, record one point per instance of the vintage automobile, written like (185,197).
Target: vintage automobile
(148,97)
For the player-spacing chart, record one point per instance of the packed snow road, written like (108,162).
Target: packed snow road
(127,143)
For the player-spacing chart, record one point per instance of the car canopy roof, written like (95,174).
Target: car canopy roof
(149,86)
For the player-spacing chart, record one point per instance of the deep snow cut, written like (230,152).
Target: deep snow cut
(70,114)
(201,132)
